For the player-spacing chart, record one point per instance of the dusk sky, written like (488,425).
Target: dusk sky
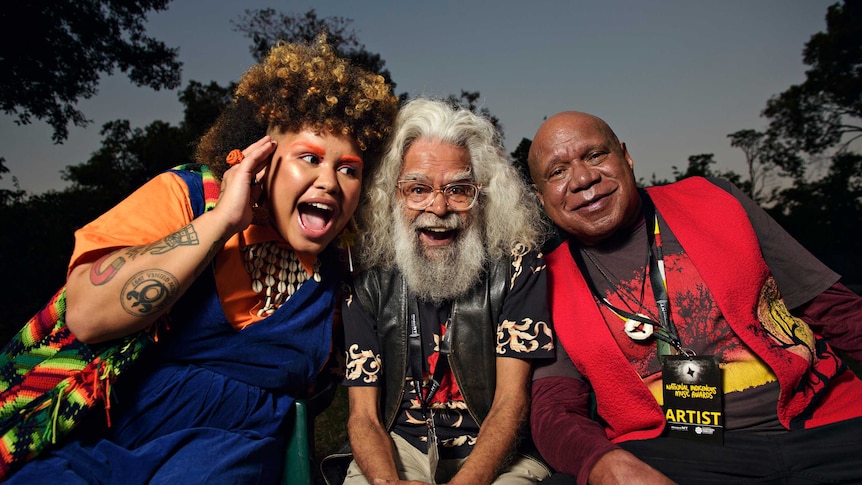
(672,77)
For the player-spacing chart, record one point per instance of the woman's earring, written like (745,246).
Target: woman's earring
(260,214)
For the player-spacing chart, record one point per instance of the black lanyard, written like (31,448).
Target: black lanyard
(658,281)
(424,393)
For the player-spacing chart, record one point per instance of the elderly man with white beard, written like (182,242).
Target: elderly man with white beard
(450,307)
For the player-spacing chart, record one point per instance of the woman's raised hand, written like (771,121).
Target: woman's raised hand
(241,184)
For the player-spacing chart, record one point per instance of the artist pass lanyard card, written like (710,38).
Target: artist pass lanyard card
(693,397)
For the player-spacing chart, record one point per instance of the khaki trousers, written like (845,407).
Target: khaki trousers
(412,464)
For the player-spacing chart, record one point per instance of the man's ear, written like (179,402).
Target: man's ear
(628,157)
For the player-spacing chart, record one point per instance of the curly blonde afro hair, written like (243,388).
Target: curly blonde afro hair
(302,86)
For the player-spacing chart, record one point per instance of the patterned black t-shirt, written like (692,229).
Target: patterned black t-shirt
(523,332)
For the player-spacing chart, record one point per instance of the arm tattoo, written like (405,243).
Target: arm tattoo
(98,276)
(148,292)
(133,253)
(183,237)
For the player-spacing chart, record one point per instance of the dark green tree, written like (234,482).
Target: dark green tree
(203,103)
(35,250)
(7,196)
(265,27)
(700,166)
(470,100)
(130,156)
(764,160)
(519,158)
(824,111)
(53,54)
(819,120)
(824,215)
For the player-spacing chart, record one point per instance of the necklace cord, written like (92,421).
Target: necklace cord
(667,332)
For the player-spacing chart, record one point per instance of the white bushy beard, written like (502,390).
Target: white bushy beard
(436,274)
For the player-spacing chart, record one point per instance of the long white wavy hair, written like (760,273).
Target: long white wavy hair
(508,210)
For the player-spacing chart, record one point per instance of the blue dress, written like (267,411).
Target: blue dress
(208,404)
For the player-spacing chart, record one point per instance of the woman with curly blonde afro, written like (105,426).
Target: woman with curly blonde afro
(240,254)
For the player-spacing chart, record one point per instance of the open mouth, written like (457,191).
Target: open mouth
(438,235)
(315,217)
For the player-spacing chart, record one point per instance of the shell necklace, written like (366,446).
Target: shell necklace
(276,273)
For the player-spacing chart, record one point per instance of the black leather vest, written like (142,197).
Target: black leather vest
(382,292)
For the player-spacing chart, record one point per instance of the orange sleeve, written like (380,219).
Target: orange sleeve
(158,208)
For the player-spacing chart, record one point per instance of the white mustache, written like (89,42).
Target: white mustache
(450,222)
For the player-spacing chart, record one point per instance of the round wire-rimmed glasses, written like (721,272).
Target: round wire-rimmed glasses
(459,196)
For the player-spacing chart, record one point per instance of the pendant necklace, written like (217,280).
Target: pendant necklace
(636,325)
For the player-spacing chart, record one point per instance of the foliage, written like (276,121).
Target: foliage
(330,432)
(824,111)
(265,27)
(819,120)
(699,165)
(125,160)
(203,103)
(34,251)
(52,55)
(130,156)
(763,155)
(519,158)
(469,100)
(824,215)
(9,196)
